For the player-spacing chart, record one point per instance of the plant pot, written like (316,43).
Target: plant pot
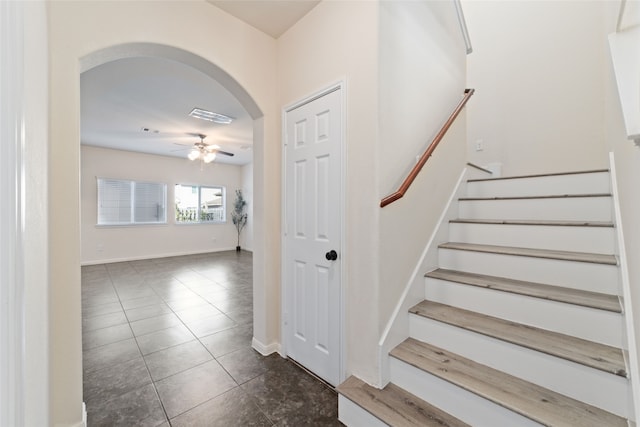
(237,248)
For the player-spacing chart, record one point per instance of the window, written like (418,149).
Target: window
(196,203)
(123,202)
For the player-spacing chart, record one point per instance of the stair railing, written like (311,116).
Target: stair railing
(399,193)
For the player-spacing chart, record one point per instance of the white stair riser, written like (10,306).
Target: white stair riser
(591,324)
(353,415)
(462,404)
(578,275)
(591,183)
(563,209)
(580,382)
(562,238)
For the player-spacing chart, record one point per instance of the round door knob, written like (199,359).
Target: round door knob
(331,255)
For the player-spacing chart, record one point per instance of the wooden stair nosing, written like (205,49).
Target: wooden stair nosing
(548,196)
(480,168)
(533,253)
(396,406)
(527,399)
(591,354)
(535,290)
(502,178)
(552,223)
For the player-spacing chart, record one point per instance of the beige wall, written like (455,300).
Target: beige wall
(403,65)
(538,67)
(109,244)
(422,79)
(78,28)
(337,40)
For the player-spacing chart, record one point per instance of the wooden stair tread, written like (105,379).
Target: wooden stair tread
(396,406)
(529,400)
(535,253)
(537,290)
(502,178)
(595,355)
(480,168)
(533,222)
(548,196)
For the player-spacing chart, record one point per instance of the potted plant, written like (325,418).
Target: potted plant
(239,214)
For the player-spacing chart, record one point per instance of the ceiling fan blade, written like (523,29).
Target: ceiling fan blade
(225,153)
(184,145)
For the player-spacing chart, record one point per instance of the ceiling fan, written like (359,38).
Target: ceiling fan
(205,152)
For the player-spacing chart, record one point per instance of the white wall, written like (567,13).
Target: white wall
(121,243)
(538,67)
(422,79)
(547,98)
(338,40)
(627,159)
(24,334)
(403,63)
(246,238)
(76,30)
(36,274)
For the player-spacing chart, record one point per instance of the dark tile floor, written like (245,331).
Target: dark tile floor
(167,342)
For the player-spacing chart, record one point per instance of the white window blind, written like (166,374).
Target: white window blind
(149,202)
(123,202)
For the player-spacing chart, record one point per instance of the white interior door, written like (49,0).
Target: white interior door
(313,229)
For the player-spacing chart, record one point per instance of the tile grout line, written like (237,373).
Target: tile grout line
(182,322)
(153,383)
(200,291)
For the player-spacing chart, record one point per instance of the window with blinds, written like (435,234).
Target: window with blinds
(125,202)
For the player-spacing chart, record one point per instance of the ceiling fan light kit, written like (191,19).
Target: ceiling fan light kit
(204,152)
(209,157)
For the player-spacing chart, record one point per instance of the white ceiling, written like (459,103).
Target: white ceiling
(269,16)
(122,98)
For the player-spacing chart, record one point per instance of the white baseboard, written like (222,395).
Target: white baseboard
(145,257)
(266,350)
(83,423)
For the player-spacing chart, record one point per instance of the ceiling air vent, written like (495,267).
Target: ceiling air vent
(199,113)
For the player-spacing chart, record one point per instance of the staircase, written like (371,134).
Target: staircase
(521,324)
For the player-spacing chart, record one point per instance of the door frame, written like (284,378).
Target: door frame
(340,85)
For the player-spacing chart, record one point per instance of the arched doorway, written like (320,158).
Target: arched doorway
(123,52)
(76,32)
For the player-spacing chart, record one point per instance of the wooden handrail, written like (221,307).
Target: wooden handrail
(398,194)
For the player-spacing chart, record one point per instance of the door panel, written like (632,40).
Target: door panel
(313,213)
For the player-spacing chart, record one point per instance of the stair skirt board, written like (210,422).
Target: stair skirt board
(564,209)
(600,278)
(581,183)
(353,415)
(587,323)
(563,238)
(551,372)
